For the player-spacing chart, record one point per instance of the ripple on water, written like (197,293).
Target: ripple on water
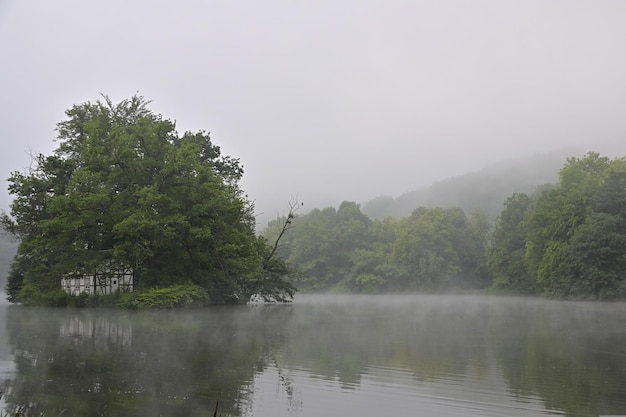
(384,391)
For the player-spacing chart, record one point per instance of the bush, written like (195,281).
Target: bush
(177,296)
(34,296)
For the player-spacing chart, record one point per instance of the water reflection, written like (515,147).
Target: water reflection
(388,392)
(98,329)
(102,362)
(323,356)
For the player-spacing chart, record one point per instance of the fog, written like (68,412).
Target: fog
(327,101)
(331,355)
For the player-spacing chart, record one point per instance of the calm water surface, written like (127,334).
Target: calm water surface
(321,356)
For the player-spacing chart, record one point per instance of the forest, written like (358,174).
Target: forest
(563,240)
(123,187)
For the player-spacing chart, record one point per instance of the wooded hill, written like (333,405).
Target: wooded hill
(486,189)
(565,239)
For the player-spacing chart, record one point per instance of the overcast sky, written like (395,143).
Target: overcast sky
(329,100)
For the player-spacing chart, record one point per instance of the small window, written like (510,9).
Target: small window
(114,282)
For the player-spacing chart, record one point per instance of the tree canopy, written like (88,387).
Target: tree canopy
(564,240)
(434,249)
(123,186)
(567,240)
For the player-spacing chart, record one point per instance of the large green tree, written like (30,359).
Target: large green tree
(425,248)
(576,239)
(123,186)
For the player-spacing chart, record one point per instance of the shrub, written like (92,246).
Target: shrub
(34,296)
(177,296)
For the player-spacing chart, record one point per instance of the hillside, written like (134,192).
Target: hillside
(487,188)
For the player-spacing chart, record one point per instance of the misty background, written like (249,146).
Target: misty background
(326,101)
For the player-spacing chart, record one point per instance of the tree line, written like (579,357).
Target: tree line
(125,188)
(342,249)
(564,240)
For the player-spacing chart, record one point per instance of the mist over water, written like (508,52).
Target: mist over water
(7,367)
(323,355)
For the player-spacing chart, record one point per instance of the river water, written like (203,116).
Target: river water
(322,356)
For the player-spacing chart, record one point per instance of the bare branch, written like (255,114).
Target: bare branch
(294,206)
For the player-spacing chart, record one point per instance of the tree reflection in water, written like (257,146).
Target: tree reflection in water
(463,350)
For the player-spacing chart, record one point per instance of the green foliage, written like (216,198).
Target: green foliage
(15,277)
(323,242)
(425,251)
(8,249)
(565,240)
(33,295)
(343,250)
(177,296)
(507,249)
(570,241)
(474,258)
(124,187)
(441,248)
